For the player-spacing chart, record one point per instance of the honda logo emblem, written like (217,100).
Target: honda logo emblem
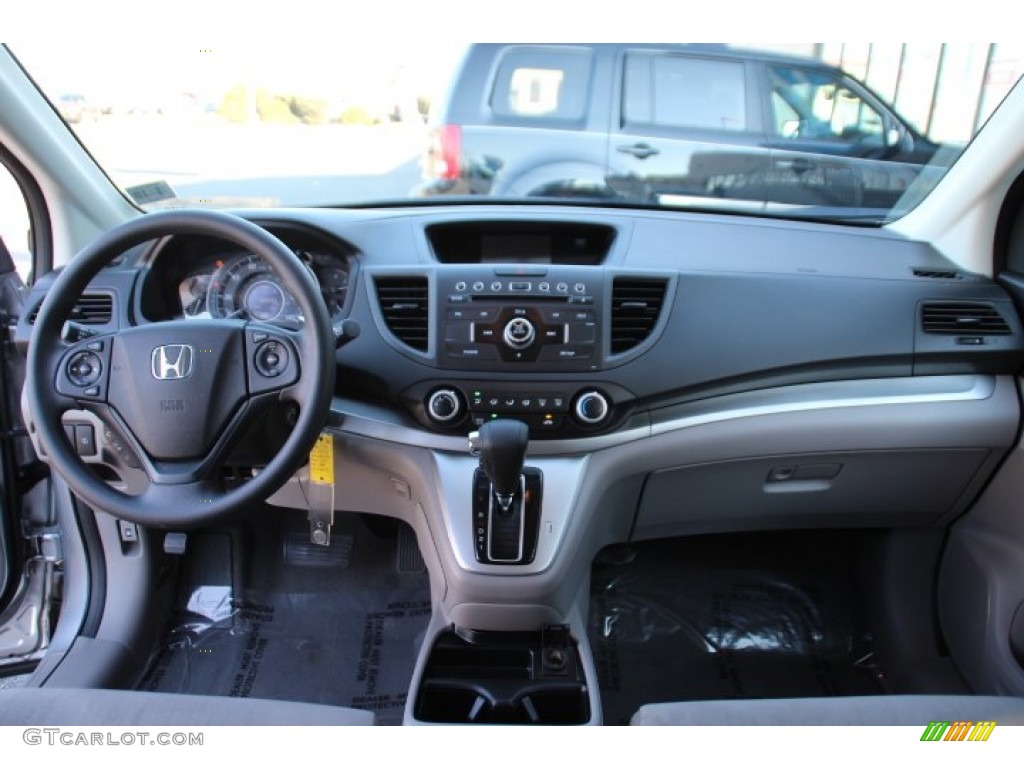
(172,361)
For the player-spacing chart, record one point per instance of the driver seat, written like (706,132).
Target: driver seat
(83,706)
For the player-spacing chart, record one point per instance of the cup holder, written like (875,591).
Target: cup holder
(528,678)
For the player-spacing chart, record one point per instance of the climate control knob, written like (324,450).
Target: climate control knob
(519,333)
(444,406)
(591,407)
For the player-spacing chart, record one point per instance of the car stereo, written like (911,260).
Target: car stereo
(525,318)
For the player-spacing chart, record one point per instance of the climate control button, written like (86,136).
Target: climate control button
(591,407)
(444,406)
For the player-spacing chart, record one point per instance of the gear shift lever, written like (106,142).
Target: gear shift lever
(501,445)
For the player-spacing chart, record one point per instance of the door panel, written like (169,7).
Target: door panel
(687,127)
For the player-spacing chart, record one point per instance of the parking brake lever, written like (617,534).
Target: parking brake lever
(501,445)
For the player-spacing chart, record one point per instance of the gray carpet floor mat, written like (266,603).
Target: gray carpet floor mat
(728,617)
(339,626)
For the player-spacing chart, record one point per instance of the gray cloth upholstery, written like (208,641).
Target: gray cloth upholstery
(80,706)
(839,710)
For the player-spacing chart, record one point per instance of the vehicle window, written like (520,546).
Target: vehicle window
(542,83)
(816,105)
(15,225)
(685,92)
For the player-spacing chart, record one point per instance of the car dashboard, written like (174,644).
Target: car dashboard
(678,374)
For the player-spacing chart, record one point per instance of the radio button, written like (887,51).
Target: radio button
(544,287)
(519,333)
(471,352)
(478,286)
(496,285)
(458,332)
(562,287)
(460,286)
(582,333)
(553,354)
(555,334)
(520,286)
(484,334)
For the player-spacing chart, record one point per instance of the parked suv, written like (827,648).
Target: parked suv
(657,123)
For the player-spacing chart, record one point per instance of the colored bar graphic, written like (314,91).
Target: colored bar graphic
(982,730)
(958,730)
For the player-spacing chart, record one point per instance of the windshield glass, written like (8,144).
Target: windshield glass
(857,132)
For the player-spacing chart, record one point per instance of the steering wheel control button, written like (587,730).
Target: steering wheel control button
(271,359)
(85,440)
(519,333)
(444,406)
(84,369)
(591,407)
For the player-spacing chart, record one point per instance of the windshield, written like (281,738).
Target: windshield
(857,132)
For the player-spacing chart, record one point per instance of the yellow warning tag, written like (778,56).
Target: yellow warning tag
(321,461)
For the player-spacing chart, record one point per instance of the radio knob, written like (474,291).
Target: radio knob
(519,333)
(591,407)
(444,406)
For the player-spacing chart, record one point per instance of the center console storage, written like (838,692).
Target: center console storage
(504,678)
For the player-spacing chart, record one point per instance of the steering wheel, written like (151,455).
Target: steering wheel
(181,392)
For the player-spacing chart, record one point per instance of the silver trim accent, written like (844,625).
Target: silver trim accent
(816,397)
(353,417)
(578,408)
(522,523)
(171,362)
(562,482)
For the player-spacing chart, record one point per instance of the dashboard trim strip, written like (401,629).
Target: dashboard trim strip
(353,417)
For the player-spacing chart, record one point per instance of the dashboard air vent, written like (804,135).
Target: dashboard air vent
(404,303)
(963,318)
(636,304)
(936,274)
(90,309)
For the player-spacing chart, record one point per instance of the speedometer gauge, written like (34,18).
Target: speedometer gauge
(246,287)
(263,300)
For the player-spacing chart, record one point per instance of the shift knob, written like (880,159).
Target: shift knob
(501,445)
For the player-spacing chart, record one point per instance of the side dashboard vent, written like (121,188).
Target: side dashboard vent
(404,303)
(636,305)
(963,318)
(936,274)
(90,309)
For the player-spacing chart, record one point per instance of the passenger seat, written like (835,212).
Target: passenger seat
(840,710)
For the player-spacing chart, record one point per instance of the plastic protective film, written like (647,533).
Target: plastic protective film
(339,625)
(727,617)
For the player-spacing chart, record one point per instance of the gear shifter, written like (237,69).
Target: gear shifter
(506,495)
(501,445)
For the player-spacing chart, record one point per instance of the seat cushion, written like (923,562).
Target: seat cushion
(80,706)
(838,710)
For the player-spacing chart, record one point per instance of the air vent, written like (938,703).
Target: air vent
(90,309)
(936,274)
(964,319)
(405,304)
(636,304)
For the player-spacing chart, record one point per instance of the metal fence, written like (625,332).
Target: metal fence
(946,90)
